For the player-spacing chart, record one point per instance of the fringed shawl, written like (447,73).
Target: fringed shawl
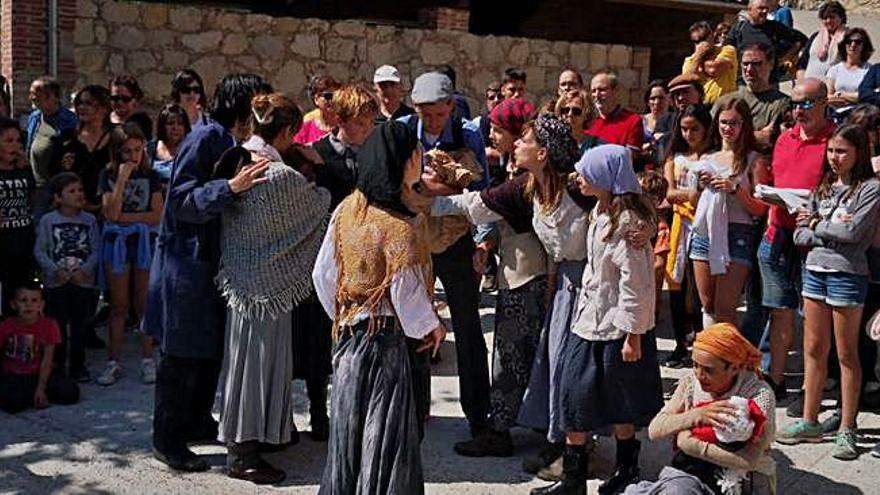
(372,245)
(270,242)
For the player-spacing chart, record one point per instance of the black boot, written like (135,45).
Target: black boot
(545,457)
(243,461)
(490,443)
(317,391)
(627,468)
(574,474)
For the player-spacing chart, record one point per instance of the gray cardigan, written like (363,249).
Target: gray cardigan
(841,238)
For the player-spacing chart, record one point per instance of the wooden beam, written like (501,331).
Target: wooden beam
(714,6)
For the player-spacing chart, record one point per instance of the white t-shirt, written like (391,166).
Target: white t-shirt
(847,80)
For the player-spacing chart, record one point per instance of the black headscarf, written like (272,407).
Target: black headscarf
(381,162)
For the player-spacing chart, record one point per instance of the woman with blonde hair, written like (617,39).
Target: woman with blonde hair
(576,109)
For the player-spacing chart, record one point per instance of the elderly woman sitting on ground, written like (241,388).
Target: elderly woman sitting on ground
(721,419)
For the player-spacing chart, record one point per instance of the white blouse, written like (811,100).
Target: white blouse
(563,231)
(409,302)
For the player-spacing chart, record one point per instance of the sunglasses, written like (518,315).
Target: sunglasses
(494,95)
(803,104)
(573,111)
(190,90)
(121,98)
(854,41)
(328,96)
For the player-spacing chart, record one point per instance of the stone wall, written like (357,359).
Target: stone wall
(856,6)
(152,41)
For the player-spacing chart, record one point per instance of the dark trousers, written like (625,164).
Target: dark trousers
(420,369)
(17,391)
(454,268)
(71,306)
(185,389)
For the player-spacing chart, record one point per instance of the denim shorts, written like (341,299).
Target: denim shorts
(838,289)
(780,264)
(739,242)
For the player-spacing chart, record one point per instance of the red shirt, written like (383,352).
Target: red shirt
(619,127)
(797,164)
(22,345)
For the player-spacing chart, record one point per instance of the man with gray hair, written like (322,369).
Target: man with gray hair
(615,124)
(754,27)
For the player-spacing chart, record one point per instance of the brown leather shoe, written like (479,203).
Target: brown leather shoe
(263,474)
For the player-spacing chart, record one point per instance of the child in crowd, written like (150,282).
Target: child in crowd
(610,375)
(67,252)
(655,187)
(16,216)
(132,204)
(27,345)
(838,228)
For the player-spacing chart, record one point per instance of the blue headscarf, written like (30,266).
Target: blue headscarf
(609,167)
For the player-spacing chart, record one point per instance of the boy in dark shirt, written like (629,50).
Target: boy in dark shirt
(27,345)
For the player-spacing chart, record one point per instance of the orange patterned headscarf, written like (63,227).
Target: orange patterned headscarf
(724,341)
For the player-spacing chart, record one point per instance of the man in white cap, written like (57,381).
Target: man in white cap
(432,96)
(389,91)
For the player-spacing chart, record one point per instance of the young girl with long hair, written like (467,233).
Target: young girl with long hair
(691,141)
(132,204)
(721,244)
(838,228)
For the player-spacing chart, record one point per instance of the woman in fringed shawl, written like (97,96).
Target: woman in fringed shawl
(270,240)
(373,277)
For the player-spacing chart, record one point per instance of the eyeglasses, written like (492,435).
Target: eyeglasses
(190,90)
(804,104)
(121,98)
(328,96)
(854,41)
(573,111)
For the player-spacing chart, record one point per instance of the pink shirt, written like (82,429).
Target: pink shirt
(309,133)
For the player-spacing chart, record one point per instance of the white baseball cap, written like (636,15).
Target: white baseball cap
(386,73)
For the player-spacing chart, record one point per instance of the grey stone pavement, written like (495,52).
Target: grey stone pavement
(102,445)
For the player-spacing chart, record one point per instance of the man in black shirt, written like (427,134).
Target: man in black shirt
(389,91)
(755,28)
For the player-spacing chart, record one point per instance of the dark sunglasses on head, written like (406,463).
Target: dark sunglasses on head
(804,104)
(328,96)
(121,98)
(188,90)
(573,111)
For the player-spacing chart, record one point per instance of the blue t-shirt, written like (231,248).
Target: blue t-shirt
(138,191)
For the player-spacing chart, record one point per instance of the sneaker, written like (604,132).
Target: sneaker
(800,431)
(111,373)
(845,445)
(81,376)
(148,370)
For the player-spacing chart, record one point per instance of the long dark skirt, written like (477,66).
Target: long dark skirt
(519,315)
(541,406)
(599,389)
(374,438)
(312,342)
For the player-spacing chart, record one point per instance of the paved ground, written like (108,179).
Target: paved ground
(102,446)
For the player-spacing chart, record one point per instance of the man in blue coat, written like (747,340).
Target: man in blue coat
(185,311)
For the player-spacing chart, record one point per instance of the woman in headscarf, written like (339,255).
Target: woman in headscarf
(269,244)
(725,365)
(520,307)
(373,277)
(543,199)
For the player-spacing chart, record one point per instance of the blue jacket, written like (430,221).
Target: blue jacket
(869,89)
(63,120)
(185,312)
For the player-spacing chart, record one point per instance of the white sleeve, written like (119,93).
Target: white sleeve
(469,203)
(412,304)
(324,273)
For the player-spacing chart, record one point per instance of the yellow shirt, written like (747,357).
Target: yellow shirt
(316,112)
(721,84)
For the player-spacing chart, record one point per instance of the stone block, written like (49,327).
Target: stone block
(620,56)
(547,59)
(536,79)
(175,60)
(87,8)
(307,45)
(519,53)
(248,63)
(100,34)
(434,53)
(116,63)
(628,78)
(598,57)
(119,12)
(340,49)
(490,51)
(580,56)
(540,46)
(162,38)
(225,21)
(350,29)
(186,19)
(84,32)
(156,84)
(411,38)
(381,33)
(380,53)
(560,49)
(139,61)
(90,59)
(154,15)
(268,45)
(210,68)
(291,78)
(470,45)
(127,37)
(258,23)
(202,42)
(641,57)
(234,43)
(287,25)
(315,25)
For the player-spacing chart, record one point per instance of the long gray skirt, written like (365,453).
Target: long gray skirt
(256,380)
(542,408)
(374,434)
